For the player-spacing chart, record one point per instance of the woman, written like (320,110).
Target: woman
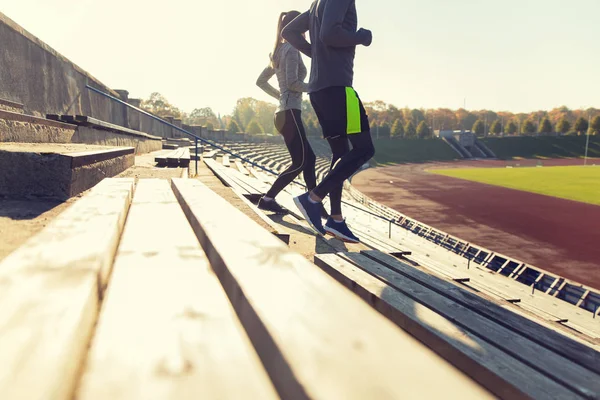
(287,64)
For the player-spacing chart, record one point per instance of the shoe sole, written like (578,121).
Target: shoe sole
(305,214)
(340,236)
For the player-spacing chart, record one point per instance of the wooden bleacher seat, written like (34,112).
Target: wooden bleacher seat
(302,321)
(508,354)
(167,329)
(50,294)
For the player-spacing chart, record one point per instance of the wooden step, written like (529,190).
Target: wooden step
(551,339)
(301,321)
(50,293)
(497,357)
(167,330)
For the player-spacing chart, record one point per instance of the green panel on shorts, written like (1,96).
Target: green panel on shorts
(352,112)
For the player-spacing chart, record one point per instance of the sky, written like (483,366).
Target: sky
(509,55)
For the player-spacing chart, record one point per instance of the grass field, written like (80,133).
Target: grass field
(572,183)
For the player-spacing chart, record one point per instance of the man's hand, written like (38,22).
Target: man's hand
(366,37)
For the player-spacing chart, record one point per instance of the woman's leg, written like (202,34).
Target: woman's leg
(289,125)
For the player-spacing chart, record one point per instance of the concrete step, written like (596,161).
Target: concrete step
(59,171)
(11,106)
(18,127)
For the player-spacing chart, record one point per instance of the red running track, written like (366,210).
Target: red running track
(560,236)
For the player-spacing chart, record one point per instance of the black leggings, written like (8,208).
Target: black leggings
(344,163)
(289,124)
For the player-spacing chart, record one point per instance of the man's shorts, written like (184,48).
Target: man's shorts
(340,111)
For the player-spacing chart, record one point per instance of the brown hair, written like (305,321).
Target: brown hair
(284,19)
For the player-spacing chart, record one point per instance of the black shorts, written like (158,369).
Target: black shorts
(340,111)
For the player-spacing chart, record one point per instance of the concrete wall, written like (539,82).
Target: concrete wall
(45,82)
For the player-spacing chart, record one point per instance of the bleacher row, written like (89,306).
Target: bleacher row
(548,296)
(182,296)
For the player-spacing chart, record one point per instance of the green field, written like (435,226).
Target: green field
(572,183)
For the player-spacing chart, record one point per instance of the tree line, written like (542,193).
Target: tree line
(256,117)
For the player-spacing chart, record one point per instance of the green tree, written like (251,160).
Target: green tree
(158,105)
(528,127)
(596,125)
(417,116)
(397,129)
(254,128)
(496,127)
(511,128)
(478,128)
(581,125)
(563,126)
(210,126)
(409,130)
(423,130)
(384,130)
(545,126)
(233,127)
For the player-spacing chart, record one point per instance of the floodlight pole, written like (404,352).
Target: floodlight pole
(587,140)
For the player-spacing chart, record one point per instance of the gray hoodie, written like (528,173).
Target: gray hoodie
(333,38)
(291,72)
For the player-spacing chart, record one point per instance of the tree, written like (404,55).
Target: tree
(545,126)
(511,128)
(254,128)
(397,129)
(210,126)
(233,127)
(563,126)
(596,125)
(528,127)
(423,130)
(417,116)
(581,125)
(409,130)
(384,130)
(158,105)
(478,128)
(496,127)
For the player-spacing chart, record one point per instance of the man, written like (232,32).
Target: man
(332,25)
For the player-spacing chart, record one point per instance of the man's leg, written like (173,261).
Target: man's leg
(362,151)
(339,148)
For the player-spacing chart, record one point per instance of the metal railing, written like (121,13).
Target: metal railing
(198,138)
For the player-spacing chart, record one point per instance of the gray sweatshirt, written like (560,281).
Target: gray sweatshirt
(291,72)
(333,39)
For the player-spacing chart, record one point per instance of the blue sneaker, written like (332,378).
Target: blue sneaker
(341,231)
(311,212)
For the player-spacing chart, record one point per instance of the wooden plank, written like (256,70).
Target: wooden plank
(184,158)
(161,159)
(173,158)
(537,365)
(315,338)
(185,341)
(50,294)
(226,162)
(241,167)
(550,339)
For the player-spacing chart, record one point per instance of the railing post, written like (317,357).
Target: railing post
(197,157)
(390,228)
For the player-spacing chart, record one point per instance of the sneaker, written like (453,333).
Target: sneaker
(271,205)
(340,230)
(311,212)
